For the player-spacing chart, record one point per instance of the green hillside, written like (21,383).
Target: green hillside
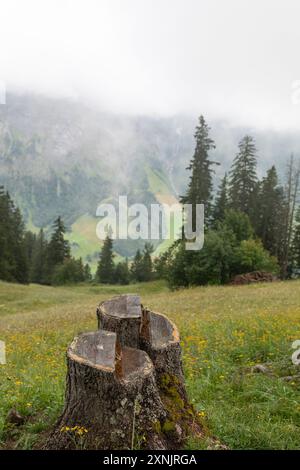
(82,233)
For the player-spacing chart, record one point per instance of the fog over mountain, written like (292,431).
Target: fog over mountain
(59,145)
(102,98)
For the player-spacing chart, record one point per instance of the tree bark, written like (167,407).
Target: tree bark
(109,396)
(122,315)
(160,339)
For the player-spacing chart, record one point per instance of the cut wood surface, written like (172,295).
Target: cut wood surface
(97,349)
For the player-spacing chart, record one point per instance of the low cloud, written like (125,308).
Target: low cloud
(234,60)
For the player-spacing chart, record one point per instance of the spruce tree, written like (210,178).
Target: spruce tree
(79,271)
(58,249)
(136,269)
(147,265)
(13,250)
(200,185)
(39,260)
(291,193)
(105,269)
(296,241)
(30,240)
(221,202)
(142,265)
(243,178)
(18,246)
(122,275)
(3,222)
(87,273)
(269,212)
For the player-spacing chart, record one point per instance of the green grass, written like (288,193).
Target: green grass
(224,330)
(84,241)
(158,181)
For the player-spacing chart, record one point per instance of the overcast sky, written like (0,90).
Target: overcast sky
(235,59)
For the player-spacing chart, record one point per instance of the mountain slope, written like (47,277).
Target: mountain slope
(59,157)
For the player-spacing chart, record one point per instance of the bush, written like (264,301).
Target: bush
(70,271)
(211,265)
(251,256)
(222,257)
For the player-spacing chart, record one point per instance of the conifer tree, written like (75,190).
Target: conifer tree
(122,275)
(105,269)
(243,178)
(147,264)
(136,269)
(79,276)
(18,246)
(58,248)
(87,273)
(142,265)
(39,259)
(30,240)
(269,212)
(13,253)
(3,224)
(291,193)
(296,241)
(200,185)
(221,203)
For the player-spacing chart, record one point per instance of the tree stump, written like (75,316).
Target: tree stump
(123,397)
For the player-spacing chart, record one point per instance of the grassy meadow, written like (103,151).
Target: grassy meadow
(224,331)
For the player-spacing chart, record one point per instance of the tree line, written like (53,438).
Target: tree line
(251,224)
(141,268)
(26,257)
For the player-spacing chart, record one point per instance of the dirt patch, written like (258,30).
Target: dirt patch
(255,276)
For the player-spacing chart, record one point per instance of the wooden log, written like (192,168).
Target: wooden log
(122,314)
(155,334)
(111,400)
